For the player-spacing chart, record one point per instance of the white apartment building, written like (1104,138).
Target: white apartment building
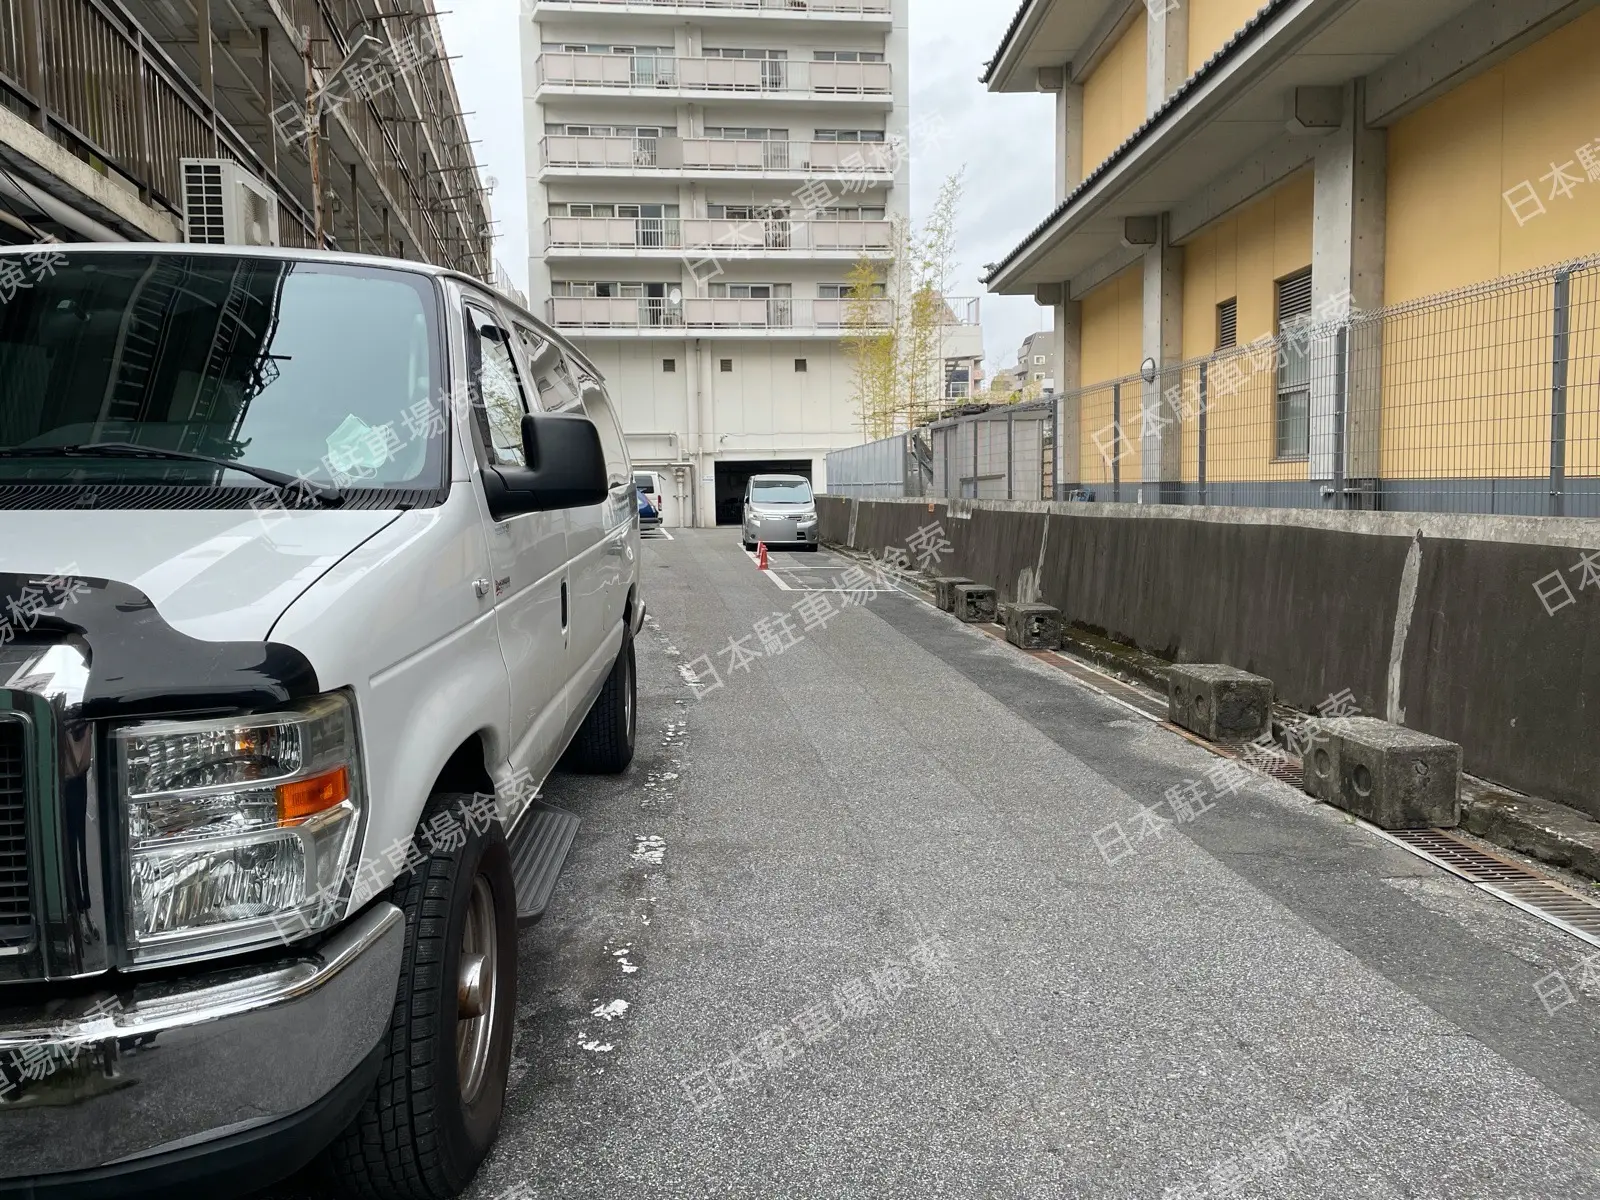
(704,174)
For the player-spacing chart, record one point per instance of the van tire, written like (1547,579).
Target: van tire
(416,1138)
(604,743)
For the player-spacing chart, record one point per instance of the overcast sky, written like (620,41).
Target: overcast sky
(1005,142)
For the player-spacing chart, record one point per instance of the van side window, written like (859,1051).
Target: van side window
(498,404)
(597,406)
(554,387)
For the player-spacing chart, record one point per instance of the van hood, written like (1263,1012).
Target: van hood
(216,575)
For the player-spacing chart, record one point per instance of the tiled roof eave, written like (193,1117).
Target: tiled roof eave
(1231,49)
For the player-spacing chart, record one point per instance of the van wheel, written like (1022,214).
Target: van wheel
(748,545)
(435,1110)
(604,744)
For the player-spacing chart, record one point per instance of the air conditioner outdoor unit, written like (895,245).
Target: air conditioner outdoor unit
(225,205)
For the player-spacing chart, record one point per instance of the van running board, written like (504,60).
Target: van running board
(539,848)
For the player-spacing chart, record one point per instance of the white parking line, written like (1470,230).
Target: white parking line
(769,573)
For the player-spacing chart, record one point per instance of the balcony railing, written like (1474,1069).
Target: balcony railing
(745,77)
(872,8)
(93,80)
(696,313)
(673,233)
(843,160)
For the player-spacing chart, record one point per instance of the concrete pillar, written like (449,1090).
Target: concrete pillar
(705,461)
(205,51)
(1068,126)
(1069,379)
(266,101)
(1349,220)
(1163,344)
(1166,50)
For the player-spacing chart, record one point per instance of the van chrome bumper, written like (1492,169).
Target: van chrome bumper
(101,1080)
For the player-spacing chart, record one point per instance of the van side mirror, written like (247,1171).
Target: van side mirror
(566,468)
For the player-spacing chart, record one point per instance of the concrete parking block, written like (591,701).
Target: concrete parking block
(974,603)
(1218,702)
(1033,626)
(944,591)
(1395,777)
(1319,757)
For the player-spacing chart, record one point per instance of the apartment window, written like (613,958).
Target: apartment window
(842,291)
(850,214)
(727,366)
(800,366)
(669,366)
(849,135)
(1293,417)
(752,291)
(1038,360)
(727,52)
(1038,376)
(848,56)
(645,132)
(580,48)
(612,291)
(776,211)
(751,133)
(1228,324)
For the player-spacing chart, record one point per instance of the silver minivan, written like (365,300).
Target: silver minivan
(780,510)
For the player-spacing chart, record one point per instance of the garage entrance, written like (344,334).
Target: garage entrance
(733,476)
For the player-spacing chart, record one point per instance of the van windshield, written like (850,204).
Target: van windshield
(313,370)
(780,491)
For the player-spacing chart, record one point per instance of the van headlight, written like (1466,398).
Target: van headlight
(239,831)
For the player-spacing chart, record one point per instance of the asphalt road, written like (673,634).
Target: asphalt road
(869,944)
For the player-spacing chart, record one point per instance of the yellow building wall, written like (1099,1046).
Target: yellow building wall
(1212,23)
(1452,163)
(1242,256)
(1467,385)
(1114,95)
(1112,332)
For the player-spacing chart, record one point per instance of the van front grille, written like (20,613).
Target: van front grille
(16,897)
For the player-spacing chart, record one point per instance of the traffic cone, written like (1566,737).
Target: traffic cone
(761,556)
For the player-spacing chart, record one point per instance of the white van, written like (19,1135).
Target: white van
(312,567)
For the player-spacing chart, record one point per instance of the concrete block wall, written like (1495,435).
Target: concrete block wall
(1429,620)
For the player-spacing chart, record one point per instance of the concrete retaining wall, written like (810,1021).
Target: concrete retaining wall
(1429,620)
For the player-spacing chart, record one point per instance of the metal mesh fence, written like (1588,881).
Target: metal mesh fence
(1006,453)
(1484,400)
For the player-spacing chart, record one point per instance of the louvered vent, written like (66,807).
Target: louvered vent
(1294,299)
(1228,324)
(204,216)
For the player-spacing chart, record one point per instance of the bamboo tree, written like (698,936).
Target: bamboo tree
(871,346)
(897,348)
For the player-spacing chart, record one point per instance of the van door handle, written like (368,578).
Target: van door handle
(563,606)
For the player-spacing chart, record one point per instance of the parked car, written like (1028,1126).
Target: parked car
(780,511)
(649,517)
(316,564)
(649,482)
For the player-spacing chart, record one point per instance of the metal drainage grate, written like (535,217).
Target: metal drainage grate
(1550,901)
